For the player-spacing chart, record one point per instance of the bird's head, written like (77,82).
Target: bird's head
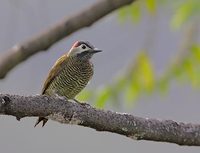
(83,50)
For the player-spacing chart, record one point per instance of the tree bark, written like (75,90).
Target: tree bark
(83,114)
(44,40)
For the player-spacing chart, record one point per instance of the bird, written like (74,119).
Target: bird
(70,74)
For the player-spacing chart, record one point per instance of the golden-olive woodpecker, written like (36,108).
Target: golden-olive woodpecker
(70,74)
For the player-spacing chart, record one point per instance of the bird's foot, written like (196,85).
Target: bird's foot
(61,97)
(75,100)
(82,103)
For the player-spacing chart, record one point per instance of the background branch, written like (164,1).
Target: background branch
(101,120)
(46,39)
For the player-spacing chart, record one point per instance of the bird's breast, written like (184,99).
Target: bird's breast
(72,79)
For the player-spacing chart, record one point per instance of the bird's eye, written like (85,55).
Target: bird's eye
(83,47)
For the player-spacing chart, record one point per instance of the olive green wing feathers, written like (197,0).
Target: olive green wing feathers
(55,70)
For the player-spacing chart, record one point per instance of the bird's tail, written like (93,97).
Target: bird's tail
(41,119)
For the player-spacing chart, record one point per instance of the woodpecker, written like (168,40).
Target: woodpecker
(70,73)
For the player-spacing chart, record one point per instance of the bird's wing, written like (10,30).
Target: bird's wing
(57,67)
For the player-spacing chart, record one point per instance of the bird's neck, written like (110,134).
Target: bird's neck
(76,60)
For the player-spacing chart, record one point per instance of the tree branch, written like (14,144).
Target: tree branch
(44,40)
(84,115)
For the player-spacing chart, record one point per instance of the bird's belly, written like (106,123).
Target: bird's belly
(70,83)
(75,87)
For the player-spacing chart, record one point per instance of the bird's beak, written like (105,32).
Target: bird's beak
(96,50)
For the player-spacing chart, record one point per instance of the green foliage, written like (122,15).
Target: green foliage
(123,14)
(151,5)
(184,11)
(187,69)
(85,95)
(145,73)
(133,11)
(140,79)
(102,96)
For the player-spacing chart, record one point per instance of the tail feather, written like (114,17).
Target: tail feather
(41,119)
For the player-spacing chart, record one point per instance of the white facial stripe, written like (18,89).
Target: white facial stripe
(84,47)
(79,49)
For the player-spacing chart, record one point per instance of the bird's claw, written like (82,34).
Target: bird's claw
(82,103)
